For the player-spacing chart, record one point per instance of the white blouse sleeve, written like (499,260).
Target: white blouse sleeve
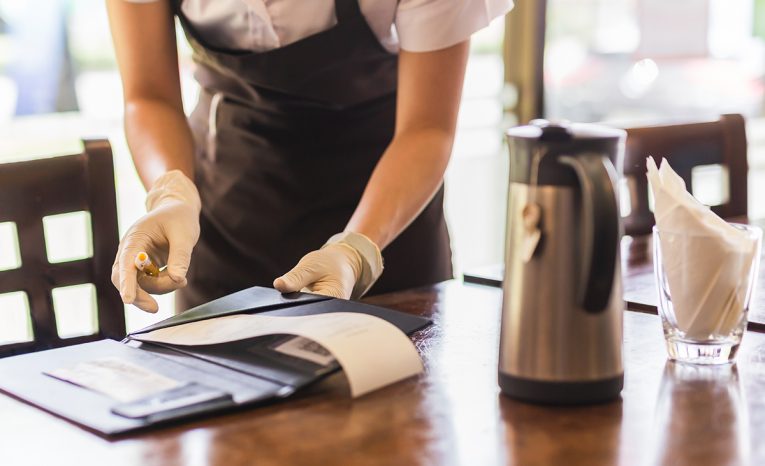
(427,25)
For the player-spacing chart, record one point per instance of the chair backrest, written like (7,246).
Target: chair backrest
(33,190)
(686,146)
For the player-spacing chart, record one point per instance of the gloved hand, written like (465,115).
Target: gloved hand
(345,267)
(168,233)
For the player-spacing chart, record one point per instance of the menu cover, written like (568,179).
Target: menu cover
(255,350)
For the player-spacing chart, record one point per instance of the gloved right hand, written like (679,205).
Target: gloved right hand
(168,233)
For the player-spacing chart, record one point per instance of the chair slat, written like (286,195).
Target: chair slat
(31,190)
(687,146)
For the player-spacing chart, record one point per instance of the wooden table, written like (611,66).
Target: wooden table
(453,414)
(640,289)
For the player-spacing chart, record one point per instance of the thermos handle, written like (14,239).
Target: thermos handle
(600,215)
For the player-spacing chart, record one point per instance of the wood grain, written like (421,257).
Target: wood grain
(453,414)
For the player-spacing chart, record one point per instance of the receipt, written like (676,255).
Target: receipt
(372,352)
(116,378)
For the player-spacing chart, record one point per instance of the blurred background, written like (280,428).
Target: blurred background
(626,62)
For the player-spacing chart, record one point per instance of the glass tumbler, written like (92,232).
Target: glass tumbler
(705,284)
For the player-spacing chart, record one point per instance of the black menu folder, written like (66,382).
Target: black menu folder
(213,377)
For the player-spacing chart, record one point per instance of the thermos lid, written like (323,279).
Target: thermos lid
(559,139)
(563,131)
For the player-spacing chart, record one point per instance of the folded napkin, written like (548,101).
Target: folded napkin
(706,260)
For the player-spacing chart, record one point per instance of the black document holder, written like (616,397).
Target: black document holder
(248,371)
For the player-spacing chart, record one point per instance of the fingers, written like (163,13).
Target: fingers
(168,232)
(140,298)
(145,302)
(322,272)
(331,290)
(135,286)
(161,284)
(302,275)
(125,276)
(179,258)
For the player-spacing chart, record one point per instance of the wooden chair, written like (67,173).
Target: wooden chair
(31,190)
(686,146)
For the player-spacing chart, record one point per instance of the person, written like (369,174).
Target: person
(318,145)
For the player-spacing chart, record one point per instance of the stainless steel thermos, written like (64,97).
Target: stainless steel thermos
(561,335)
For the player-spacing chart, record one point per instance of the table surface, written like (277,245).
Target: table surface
(451,414)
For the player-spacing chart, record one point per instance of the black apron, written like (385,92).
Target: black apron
(286,141)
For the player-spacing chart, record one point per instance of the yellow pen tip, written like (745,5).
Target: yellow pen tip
(141,256)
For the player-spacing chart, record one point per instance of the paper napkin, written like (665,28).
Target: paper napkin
(707,261)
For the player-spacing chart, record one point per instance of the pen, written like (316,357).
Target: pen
(145,265)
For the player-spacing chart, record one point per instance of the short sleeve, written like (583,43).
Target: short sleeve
(427,25)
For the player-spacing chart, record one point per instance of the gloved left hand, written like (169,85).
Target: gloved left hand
(345,267)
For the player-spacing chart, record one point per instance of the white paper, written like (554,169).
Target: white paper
(116,378)
(706,260)
(373,352)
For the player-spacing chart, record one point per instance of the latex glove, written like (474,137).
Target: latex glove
(345,267)
(168,233)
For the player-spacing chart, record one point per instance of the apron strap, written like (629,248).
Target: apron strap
(346,10)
